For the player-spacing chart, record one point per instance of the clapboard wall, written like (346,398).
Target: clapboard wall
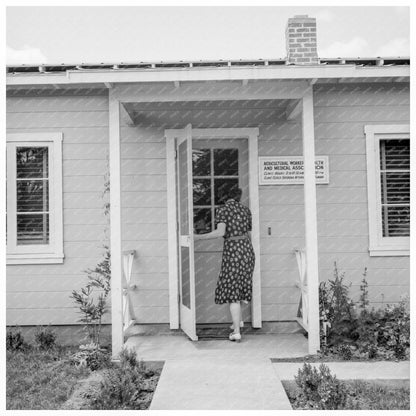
(39,294)
(341,112)
(144,219)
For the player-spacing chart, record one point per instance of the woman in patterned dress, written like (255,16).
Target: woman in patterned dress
(233,222)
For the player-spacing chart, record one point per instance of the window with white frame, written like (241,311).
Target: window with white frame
(34,198)
(388,180)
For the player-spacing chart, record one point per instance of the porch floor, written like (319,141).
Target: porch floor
(167,347)
(219,374)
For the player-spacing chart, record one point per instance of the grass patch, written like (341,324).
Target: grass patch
(365,394)
(41,379)
(49,380)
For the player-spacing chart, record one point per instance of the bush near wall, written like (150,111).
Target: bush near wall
(318,389)
(352,330)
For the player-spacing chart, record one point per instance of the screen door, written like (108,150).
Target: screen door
(185,233)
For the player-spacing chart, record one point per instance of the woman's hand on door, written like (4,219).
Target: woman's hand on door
(218,232)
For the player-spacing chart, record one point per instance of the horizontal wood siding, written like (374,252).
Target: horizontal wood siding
(40,294)
(340,115)
(144,219)
(346,240)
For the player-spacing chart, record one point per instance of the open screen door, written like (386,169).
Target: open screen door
(185,233)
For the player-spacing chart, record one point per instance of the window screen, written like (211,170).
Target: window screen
(32,195)
(395,187)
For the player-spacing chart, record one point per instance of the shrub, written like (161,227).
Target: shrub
(382,333)
(395,333)
(385,333)
(93,359)
(319,389)
(124,386)
(345,351)
(45,338)
(337,310)
(93,308)
(368,331)
(98,359)
(14,340)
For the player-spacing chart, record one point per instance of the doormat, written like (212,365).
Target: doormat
(215,332)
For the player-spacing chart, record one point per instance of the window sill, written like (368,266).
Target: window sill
(34,259)
(379,252)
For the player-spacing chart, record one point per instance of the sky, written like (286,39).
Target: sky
(69,35)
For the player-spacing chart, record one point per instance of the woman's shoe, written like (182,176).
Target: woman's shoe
(235,337)
(241,325)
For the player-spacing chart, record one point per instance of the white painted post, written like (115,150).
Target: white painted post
(256,319)
(115,228)
(172,232)
(311,233)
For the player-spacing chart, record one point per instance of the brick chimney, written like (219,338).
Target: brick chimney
(301,40)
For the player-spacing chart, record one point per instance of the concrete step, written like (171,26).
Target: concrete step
(218,330)
(164,347)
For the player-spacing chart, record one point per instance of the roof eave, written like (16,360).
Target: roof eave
(102,76)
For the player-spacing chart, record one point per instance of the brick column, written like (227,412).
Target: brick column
(301,40)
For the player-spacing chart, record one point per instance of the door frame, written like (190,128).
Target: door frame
(251,135)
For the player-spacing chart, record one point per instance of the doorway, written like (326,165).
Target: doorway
(202,165)
(218,165)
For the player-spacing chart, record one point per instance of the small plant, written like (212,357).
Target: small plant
(14,340)
(396,330)
(368,331)
(129,358)
(94,307)
(319,389)
(93,358)
(345,351)
(364,302)
(45,338)
(125,386)
(324,314)
(336,310)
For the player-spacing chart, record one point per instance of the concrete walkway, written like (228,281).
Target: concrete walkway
(222,375)
(219,374)
(220,384)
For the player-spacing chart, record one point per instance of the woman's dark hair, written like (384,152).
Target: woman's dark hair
(234,193)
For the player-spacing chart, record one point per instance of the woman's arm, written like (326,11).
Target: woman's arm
(218,232)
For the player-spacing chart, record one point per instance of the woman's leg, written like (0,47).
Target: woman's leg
(242,302)
(235,310)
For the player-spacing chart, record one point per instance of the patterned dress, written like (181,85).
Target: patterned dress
(235,278)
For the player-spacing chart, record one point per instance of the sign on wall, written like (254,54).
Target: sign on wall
(288,170)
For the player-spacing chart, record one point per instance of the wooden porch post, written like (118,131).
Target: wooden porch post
(115,228)
(311,236)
